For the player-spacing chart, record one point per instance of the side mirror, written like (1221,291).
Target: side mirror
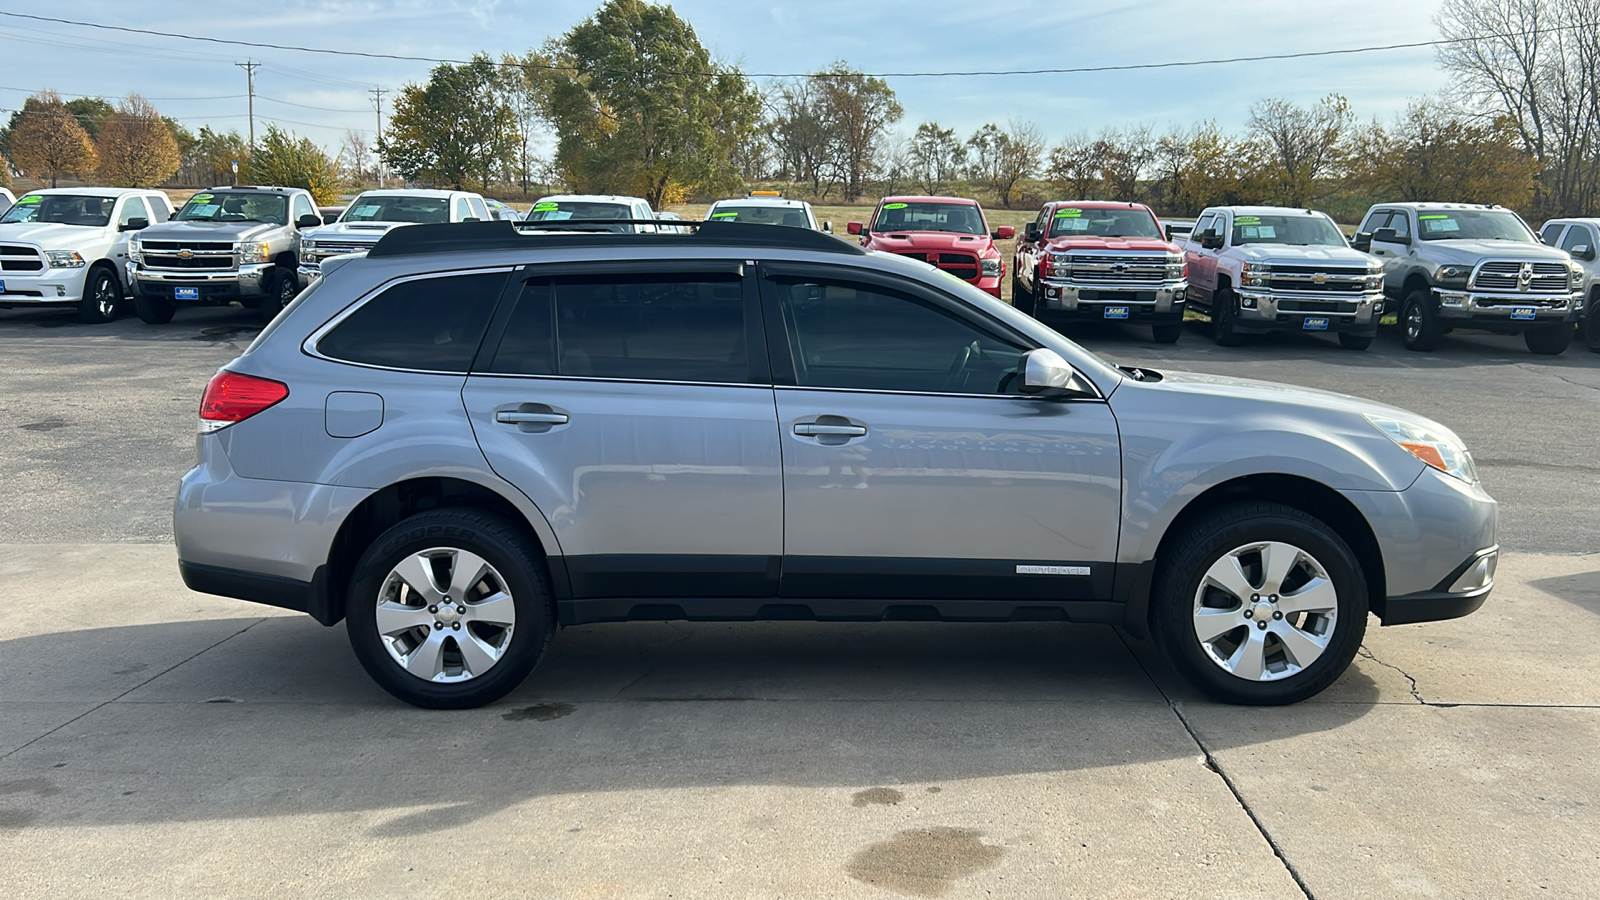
(1362,241)
(1003,233)
(472,219)
(134,224)
(827,227)
(854,228)
(1046,374)
(1583,252)
(1168,231)
(308,221)
(1030,231)
(172,215)
(1211,240)
(1387,236)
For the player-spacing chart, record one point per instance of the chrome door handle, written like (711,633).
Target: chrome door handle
(812,429)
(511,417)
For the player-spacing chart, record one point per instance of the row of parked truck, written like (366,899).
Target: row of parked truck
(1251,270)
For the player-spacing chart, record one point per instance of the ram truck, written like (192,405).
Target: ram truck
(1260,269)
(1580,238)
(949,233)
(66,247)
(1085,260)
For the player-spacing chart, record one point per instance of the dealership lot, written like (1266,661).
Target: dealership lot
(149,735)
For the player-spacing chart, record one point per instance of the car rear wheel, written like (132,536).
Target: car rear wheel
(1021,297)
(1224,310)
(450,609)
(154,310)
(1549,340)
(1419,324)
(1352,341)
(1260,603)
(101,294)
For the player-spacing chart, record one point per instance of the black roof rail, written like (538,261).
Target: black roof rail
(462,237)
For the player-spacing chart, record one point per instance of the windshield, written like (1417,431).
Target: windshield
(1073,220)
(61,209)
(398,208)
(1301,230)
(236,206)
(1475,224)
(961,218)
(760,215)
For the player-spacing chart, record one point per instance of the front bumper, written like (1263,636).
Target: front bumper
(44,287)
(1264,311)
(1462,306)
(250,280)
(1090,301)
(1458,594)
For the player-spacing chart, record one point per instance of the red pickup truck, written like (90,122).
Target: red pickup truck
(948,232)
(1093,260)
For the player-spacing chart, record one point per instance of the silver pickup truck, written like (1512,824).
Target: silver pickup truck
(226,244)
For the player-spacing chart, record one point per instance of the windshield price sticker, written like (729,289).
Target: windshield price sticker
(1442,223)
(1247,220)
(1069,213)
(894,206)
(1432,217)
(546,205)
(1257,232)
(30,200)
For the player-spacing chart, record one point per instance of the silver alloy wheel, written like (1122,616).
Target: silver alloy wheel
(1265,611)
(445,615)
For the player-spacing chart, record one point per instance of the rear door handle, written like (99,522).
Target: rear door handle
(812,429)
(511,417)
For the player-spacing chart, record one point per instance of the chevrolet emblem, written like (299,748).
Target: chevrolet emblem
(1319,278)
(186,254)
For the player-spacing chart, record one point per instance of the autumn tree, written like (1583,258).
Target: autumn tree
(1302,144)
(454,131)
(1073,169)
(937,156)
(5,172)
(1001,159)
(1124,156)
(1431,152)
(92,113)
(859,110)
(284,159)
(355,157)
(209,159)
(135,146)
(807,140)
(47,142)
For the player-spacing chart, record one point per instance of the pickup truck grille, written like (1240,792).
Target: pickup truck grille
(1507,275)
(162,261)
(1320,279)
(1118,269)
(961,265)
(20,259)
(192,246)
(1328,307)
(334,248)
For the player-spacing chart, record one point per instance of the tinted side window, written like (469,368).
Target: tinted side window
(528,345)
(1376,219)
(858,336)
(1401,223)
(1578,236)
(1550,233)
(1204,224)
(161,208)
(652,328)
(431,324)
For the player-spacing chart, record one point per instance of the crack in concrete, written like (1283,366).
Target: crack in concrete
(99,706)
(1416,692)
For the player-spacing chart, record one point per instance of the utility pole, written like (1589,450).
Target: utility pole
(377,103)
(249,67)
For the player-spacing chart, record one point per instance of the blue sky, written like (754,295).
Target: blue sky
(321,96)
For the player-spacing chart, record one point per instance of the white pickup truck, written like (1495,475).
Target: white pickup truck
(67,247)
(374,213)
(1580,238)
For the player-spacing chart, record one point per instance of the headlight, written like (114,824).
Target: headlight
(308,245)
(991,267)
(64,259)
(1060,264)
(251,253)
(1256,274)
(1439,450)
(1451,273)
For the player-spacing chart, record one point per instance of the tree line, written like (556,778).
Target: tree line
(637,105)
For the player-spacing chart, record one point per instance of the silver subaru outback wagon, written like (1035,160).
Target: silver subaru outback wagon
(474,435)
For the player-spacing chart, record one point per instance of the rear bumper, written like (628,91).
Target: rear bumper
(310,597)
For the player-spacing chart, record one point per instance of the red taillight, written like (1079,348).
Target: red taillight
(232,397)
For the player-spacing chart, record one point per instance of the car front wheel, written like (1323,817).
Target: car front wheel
(450,609)
(1260,603)
(1419,324)
(101,294)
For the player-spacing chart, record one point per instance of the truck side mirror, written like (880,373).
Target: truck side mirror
(1030,231)
(827,227)
(1362,241)
(1003,233)
(134,224)
(308,221)
(1583,252)
(854,228)
(1210,240)
(1388,236)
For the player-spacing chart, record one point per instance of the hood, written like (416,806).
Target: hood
(903,241)
(206,231)
(354,232)
(1468,252)
(1097,242)
(1251,391)
(53,236)
(1291,253)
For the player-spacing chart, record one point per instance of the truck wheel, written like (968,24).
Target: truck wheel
(101,294)
(1548,340)
(1589,325)
(450,609)
(1224,310)
(1352,341)
(285,285)
(1167,334)
(1021,298)
(154,310)
(1419,324)
(1259,603)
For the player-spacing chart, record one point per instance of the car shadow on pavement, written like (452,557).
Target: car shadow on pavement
(1581,590)
(279,720)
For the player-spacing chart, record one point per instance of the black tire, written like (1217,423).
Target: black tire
(1352,341)
(1419,323)
(280,293)
(1548,340)
(520,566)
(1589,325)
(154,310)
(101,295)
(1166,334)
(1223,312)
(1022,298)
(1177,597)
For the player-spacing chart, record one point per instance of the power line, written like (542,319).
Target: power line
(1307,54)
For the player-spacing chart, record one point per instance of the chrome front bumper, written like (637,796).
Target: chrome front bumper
(1258,307)
(250,279)
(1065,296)
(1477,304)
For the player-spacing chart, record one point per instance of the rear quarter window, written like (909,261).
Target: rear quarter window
(428,324)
